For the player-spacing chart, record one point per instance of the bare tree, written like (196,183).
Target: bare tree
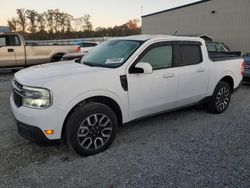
(69,18)
(87,25)
(133,24)
(77,24)
(32,16)
(50,20)
(12,24)
(41,22)
(57,20)
(56,24)
(22,20)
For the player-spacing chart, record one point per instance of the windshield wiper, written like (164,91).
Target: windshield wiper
(96,65)
(88,63)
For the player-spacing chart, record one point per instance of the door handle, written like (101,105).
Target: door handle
(168,75)
(201,70)
(10,50)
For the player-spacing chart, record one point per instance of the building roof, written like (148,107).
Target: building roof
(183,6)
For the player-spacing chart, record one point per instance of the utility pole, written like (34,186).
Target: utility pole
(141,17)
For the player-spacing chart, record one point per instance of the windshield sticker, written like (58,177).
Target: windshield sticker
(114,60)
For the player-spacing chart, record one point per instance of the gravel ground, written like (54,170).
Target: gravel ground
(185,148)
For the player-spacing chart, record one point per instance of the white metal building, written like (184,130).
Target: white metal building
(226,21)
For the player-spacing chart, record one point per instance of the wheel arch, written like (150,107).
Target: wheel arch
(56,54)
(228,79)
(100,99)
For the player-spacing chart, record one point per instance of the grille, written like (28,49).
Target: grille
(17,99)
(16,96)
(19,86)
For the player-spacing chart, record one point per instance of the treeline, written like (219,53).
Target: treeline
(55,24)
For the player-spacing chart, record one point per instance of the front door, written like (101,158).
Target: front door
(18,49)
(7,55)
(155,92)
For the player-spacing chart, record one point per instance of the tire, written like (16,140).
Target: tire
(91,128)
(14,70)
(56,58)
(221,98)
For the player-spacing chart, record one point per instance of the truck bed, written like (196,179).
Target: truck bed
(220,56)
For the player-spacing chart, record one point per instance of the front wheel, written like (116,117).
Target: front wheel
(91,128)
(221,98)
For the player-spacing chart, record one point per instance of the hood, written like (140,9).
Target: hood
(40,74)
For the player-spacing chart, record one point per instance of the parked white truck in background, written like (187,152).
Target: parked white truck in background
(119,81)
(15,52)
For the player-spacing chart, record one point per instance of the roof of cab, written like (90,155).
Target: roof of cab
(143,37)
(155,37)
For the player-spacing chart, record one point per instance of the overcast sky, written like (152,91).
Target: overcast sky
(103,12)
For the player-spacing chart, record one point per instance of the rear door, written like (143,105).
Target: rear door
(7,55)
(192,73)
(155,92)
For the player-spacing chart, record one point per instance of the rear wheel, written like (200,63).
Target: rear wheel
(221,98)
(56,58)
(14,70)
(91,128)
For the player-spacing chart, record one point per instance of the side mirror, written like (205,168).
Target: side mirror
(145,67)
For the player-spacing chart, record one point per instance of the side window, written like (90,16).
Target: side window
(190,55)
(3,41)
(90,44)
(159,57)
(14,40)
(81,45)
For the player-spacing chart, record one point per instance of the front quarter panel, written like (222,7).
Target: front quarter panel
(68,91)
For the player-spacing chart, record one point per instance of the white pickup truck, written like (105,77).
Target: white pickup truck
(16,52)
(119,81)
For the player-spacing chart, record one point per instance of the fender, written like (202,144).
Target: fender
(214,83)
(123,104)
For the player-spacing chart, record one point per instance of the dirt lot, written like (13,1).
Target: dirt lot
(185,148)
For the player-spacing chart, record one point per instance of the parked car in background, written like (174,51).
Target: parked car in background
(73,56)
(246,77)
(4,29)
(217,47)
(119,81)
(220,49)
(15,52)
(86,46)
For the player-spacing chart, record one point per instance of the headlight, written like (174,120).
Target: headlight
(36,97)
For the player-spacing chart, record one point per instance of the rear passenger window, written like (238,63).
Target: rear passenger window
(190,55)
(159,57)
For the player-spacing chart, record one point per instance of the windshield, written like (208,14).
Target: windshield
(112,53)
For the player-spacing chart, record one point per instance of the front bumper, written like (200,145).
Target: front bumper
(31,132)
(32,123)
